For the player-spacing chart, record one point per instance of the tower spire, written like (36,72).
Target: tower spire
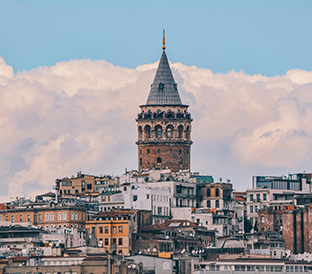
(164,41)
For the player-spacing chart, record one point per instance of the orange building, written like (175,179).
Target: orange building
(49,216)
(114,229)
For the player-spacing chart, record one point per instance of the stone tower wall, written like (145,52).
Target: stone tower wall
(164,137)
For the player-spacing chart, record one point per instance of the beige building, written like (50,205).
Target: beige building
(84,183)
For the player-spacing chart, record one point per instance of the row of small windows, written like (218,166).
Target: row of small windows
(48,217)
(20,218)
(258,199)
(158,132)
(217,192)
(217,204)
(114,241)
(161,86)
(106,229)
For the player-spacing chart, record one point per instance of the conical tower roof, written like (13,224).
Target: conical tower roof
(164,90)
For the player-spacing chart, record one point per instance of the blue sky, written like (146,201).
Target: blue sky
(73,74)
(267,37)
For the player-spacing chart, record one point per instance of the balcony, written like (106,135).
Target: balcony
(162,115)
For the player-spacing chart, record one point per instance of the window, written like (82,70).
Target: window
(251,197)
(83,185)
(59,216)
(12,218)
(76,216)
(119,241)
(20,217)
(256,208)
(64,216)
(28,217)
(158,160)
(89,186)
(208,204)
(264,197)
(159,133)
(169,133)
(114,229)
(217,203)
(161,86)
(106,241)
(217,192)
(120,229)
(208,192)
(135,198)
(101,229)
(262,219)
(159,210)
(72,216)
(258,198)
(52,216)
(158,151)
(147,196)
(46,227)
(47,217)
(7,217)
(39,217)
(106,229)
(251,209)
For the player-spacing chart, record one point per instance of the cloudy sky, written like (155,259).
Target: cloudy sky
(73,73)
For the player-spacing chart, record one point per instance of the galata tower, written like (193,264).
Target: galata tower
(164,124)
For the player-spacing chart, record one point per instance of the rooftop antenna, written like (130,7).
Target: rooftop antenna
(164,41)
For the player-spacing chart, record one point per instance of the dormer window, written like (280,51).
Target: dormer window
(161,86)
(175,87)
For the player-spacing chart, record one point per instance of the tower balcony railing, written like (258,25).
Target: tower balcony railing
(161,115)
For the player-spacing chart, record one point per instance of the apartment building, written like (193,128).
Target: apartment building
(114,229)
(84,183)
(48,216)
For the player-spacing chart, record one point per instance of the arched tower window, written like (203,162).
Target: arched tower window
(180,131)
(147,132)
(158,131)
(158,151)
(140,133)
(187,133)
(169,131)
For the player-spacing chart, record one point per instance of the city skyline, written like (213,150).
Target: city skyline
(68,111)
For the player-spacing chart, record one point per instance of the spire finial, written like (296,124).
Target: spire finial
(164,41)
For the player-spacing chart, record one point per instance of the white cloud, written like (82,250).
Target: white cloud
(80,114)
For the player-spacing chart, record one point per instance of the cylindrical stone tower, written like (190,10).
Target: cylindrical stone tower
(164,124)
